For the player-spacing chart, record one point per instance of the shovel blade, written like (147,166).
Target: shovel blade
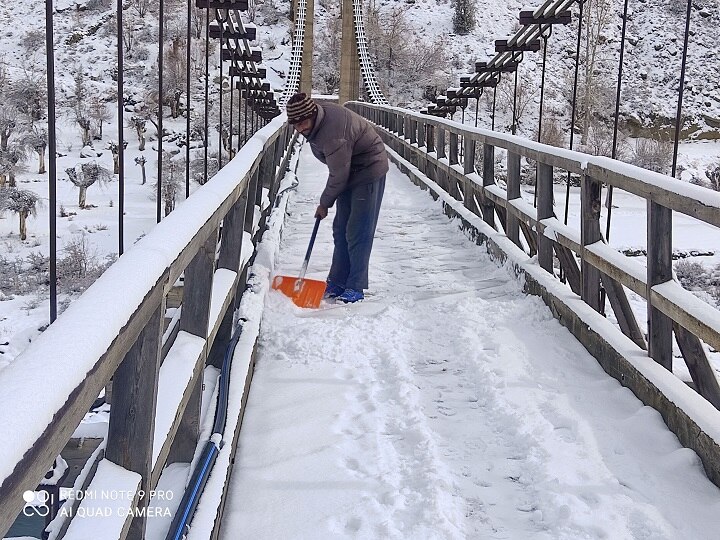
(308,295)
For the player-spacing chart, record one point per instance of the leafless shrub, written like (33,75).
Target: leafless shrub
(507,99)
(653,154)
(79,266)
(713,174)
(552,133)
(691,274)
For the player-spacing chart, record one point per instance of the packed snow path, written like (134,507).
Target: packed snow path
(447,405)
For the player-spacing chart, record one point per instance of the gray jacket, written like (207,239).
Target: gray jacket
(350,147)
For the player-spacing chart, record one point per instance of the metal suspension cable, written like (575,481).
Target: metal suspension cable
(542,83)
(366,67)
(161,51)
(678,119)
(617,116)
(187,94)
(52,150)
(514,111)
(574,105)
(121,125)
(220,120)
(207,93)
(230,120)
(542,98)
(492,125)
(477,106)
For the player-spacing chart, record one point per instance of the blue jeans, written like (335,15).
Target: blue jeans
(356,217)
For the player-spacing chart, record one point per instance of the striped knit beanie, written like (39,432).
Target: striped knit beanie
(299,108)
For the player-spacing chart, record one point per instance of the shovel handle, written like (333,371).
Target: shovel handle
(309,251)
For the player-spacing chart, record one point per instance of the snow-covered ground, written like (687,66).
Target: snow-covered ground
(447,405)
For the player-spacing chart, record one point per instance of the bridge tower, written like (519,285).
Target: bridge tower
(349,60)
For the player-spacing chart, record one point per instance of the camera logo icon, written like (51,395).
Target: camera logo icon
(37,503)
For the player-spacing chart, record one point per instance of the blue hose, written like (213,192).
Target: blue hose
(183,517)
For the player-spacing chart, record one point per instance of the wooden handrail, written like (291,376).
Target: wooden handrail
(601,267)
(113,331)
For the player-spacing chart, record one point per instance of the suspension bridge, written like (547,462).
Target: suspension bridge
(496,383)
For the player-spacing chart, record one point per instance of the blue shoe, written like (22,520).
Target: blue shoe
(332,290)
(350,296)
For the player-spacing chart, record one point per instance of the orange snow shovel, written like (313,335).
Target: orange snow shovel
(305,293)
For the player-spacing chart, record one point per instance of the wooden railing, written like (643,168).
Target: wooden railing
(444,152)
(115,331)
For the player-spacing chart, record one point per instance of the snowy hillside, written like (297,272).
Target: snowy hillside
(652,61)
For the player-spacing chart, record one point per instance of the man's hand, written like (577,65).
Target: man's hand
(321,212)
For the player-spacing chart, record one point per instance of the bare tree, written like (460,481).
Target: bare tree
(12,162)
(526,92)
(713,174)
(8,124)
(140,7)
(85,176)
(22,202)
(115,150)
(141,161)
(129,36)
(401,60)
(175,78)
(326,67)
(37,140)
(597,17)
(464,16)
(4,77)
(149,109)
(172,184)
(197,25)
(81,108)
(138,123)
(29,94)
(100,113)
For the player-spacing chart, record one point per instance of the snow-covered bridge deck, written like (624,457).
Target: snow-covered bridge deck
(448,405)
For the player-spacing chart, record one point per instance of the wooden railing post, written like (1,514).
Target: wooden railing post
(278,153)
(453,157)
(131,432)
(229,258)
(513,192)
(469,168)
(430,168)
(488,209)
(252,190)
(422,142)
(265,178)
(197,294)
(440,149)
(659,270)
(544,211)
(407,134)
(589,234)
